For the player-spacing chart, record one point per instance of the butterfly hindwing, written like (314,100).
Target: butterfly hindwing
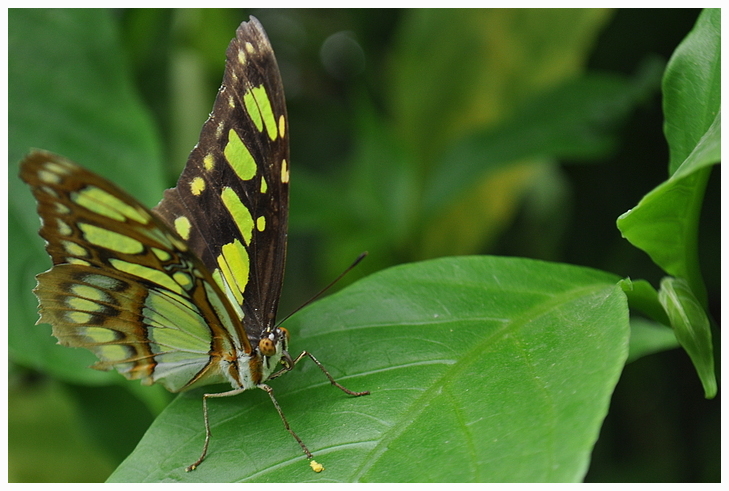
(184,294)
(231,202)
(122,284)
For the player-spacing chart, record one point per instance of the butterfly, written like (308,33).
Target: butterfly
(185,294)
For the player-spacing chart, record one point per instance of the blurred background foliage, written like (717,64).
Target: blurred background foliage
(414,134)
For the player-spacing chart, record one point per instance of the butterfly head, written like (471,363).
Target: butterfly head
(274,346)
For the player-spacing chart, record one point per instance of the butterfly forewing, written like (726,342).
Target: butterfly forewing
(231,202)
(185,294)
(123,284)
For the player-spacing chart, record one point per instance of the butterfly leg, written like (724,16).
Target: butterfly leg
(229,393)
(269,391)
(290,366)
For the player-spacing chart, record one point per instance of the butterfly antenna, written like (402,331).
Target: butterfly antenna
(321,292)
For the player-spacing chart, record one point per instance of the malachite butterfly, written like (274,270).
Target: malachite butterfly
(185,294)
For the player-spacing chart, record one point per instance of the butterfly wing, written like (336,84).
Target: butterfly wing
(231,202)
(123,285)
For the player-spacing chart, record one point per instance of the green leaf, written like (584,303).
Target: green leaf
(458,84)
(45,443)
(642,296)
(456,70)
(480,369)
(692,328)
(692,89)
(665,222)
(575,120)
(665,225)
(648,337)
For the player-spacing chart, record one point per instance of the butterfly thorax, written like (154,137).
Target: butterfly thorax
(247,370)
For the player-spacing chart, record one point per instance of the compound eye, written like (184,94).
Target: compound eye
(285,333)
(267,347)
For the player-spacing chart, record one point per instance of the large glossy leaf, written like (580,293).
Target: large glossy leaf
(480,368)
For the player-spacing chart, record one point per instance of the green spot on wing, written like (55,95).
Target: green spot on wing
(239,158)
(249,100)
(264,106)
(240,214)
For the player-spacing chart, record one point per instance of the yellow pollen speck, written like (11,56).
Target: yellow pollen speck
(197,186)
(316,466)
(242,57)
(231,102)
(250,48)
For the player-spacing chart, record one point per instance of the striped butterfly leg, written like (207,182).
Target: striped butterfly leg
(289,365)
(269,390)
(208,434)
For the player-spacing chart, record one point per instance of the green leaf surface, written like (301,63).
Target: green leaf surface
(665,222)
(648,337)
(665,225)
(480,369)
(692,328)
(643,297)
(692,88)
